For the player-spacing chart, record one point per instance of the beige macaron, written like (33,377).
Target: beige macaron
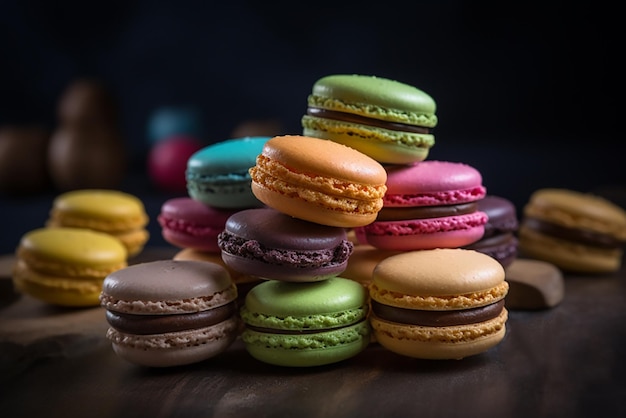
(578,232)
(439,304)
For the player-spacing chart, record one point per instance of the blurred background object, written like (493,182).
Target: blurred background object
(87,149)
(525,92)
(23,151)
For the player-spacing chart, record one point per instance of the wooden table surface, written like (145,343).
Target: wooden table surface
(568,361)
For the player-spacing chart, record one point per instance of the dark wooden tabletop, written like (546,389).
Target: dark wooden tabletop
(568,361)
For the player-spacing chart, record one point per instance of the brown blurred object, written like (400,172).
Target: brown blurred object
(269,127)
(87,149)
(23,168)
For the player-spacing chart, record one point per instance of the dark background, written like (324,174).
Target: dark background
(530,93)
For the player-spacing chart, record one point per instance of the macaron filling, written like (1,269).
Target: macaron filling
(353,118)
(158,324)
(254,250)
(582,236)
(424,212)
(437,318)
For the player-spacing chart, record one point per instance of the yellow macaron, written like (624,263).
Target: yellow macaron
(66,266)
(113,212)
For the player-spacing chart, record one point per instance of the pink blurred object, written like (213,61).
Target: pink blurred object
(167,162)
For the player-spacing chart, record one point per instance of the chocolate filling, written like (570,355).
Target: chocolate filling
(583,236)
(437,318)
(424,212)
(158,324)
(349,117)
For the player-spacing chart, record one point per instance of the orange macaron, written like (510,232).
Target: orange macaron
(319,181)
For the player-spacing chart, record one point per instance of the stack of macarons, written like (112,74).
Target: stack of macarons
(428,206)
(218,186)
(304,313)
(66,266)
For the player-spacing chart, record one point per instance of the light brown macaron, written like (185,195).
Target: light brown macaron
(439,304)
(318,180)
(170,312)
(578,232)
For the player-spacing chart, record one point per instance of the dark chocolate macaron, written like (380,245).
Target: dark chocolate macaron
(499,240)
(267,243)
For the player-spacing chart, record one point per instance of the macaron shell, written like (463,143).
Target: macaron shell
(227,157)
(438,279)
(189,223)
(432,183)
(320,157)
(375,97)
(276,230)
(60,291)
(218,176)
(308,350)
(568,256)
(318,303)
(61,250)
(383,145)
(168,286)
(424,234)
(284,272)
(440,343)
(99,209)
(174,349)
(340,214)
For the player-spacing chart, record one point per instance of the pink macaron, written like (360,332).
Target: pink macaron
(430,204)
(189,223)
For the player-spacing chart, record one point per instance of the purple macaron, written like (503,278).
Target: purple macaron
(499,240)
(270,244)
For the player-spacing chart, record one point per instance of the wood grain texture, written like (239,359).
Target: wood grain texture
(562,362)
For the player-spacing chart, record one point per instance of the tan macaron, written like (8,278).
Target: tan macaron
(577,232)
(438,304)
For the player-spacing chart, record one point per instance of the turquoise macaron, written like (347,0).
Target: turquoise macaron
(217,174)
(306,324)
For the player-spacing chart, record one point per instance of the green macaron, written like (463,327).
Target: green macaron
(386,119)
(306,324)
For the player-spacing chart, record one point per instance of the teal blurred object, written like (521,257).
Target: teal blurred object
(176,120)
